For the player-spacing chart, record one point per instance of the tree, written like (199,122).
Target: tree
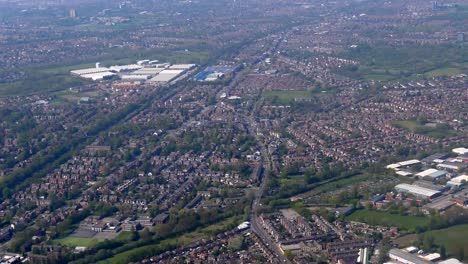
(443,253)
(428,243)
(146,235)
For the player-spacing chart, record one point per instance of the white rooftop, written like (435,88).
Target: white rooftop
(460,178)
(89,71)
(426,172)
(129,67)
(182,66)
(451,261)
(409,162)
(98,75)
(417,190)
(460,151)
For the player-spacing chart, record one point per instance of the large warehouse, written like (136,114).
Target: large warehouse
(417,191)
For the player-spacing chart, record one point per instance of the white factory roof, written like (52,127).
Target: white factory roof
(409,162)
(451,261)
(432,256)
(135,77)
(98,76)
(171,71)
(393,166)
(460,151)
(417,190)
(130,67)
(426,172)
(402,163)
(149,71)
(412,249)
(89,71)
(166,76)
(182,66)
(403,173)
(459,179)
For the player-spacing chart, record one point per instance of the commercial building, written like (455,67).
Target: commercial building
(417,191)
(125,68)
(460,151)
(405,257)
(135,77)
(458,181)
(184,67)
(98,76)
(432,174)
(396,166)
(148,71)
(452,166)
(89,71)
(166,76)
(451,261)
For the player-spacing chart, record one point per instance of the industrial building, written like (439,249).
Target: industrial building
(396,166)
(417,191)
(405,257)
(184,67)
(153,73)
(432,174)
(125,68)
(135,77)
(89,71)
(452,166)
(99,76)
(460,151)
(166,76)
(214,73)
(458,181)
(148,71)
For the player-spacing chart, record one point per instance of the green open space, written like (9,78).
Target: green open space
(77,242)
(453,238)
(387,219)
(445,71)
(286,97)
(436,130)
(385,63)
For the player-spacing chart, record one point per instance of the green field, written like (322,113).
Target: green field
(77,242)
(453,238)
(286,97)
(385,63)
(446,71)
(439,131)
(387,219)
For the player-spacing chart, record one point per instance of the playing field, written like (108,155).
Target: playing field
(387,219)
(78,242)
(453,238)
(286,97)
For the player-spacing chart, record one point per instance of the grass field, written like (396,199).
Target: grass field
(384,63)
(78,242)
(334,185)
(40,83)
(453,238)
(439,131)
(446,71)
(286,97)
(387,219)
